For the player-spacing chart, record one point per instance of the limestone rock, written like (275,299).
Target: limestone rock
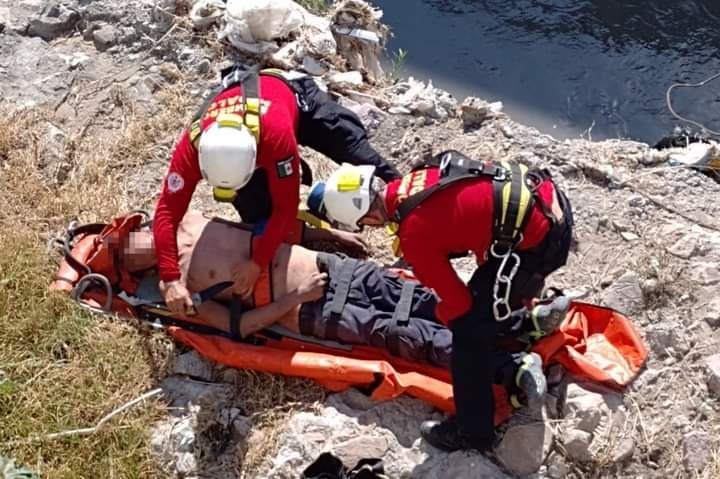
(523,448)
(629,236)
(355,433)
(623,449)
(666,338)
(705,273)
(625,294)
(242,426)
(357,448)
(577,444)
(181,391)
(710,313)
(697,451)
(685,247)
(104,37)
(713,370)
(475,111)
(54,21)
(193,365)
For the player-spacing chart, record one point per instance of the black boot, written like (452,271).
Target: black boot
(547,315)
(446,435)
(531,381)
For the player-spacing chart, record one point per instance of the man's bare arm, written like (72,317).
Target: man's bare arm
(254,320)
(218,316)
(353,241)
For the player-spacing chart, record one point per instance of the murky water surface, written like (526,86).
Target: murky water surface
(566,65)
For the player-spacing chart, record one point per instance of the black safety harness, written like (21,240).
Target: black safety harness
(514,194)
(251,105)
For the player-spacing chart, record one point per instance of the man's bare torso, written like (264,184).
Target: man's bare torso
(210,249)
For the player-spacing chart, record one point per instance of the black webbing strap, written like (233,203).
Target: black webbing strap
(342,289)
(401,315)
(454,167)
(237,309)
(343,281)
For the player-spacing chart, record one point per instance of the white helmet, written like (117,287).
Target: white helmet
(227,152)
(348,194)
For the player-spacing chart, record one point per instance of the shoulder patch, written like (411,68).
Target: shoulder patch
(175,182)
(285,167)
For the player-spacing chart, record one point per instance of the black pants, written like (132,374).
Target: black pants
(335,131)
(324,126)
(367,318)
(475,333)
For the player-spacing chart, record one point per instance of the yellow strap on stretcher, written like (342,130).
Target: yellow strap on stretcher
(309,218)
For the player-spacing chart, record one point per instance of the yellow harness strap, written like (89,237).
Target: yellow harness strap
(248,117)
(522,194)
(307,217)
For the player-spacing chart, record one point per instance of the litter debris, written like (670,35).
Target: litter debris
(9,470)
(252,21)
(698,155)
(422,99)
(352,78)
(360,37)
(206,12)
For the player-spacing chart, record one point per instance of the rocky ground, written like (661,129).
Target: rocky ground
(648,245)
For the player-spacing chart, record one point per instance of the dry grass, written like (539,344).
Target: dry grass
(64,369)
(60,367)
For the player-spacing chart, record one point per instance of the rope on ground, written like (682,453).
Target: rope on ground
(668,99)
(89,430)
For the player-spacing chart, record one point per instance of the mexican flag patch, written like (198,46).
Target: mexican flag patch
(285,167)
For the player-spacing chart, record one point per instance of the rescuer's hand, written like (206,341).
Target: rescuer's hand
(177,297)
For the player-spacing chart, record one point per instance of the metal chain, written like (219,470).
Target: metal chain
(501,302)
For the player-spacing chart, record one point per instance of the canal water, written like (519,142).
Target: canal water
(568,67)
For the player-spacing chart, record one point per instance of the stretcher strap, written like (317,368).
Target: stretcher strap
(237,308)
(401,315)
(343,281)
(342,289)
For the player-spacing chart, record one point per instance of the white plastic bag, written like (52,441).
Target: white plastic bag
(252,21)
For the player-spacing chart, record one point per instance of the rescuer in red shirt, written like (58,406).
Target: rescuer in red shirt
(244,142)
(518,225)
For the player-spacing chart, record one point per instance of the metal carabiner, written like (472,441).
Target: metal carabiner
(83,284)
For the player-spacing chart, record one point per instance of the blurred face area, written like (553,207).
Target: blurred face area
(139,252)
(376,215)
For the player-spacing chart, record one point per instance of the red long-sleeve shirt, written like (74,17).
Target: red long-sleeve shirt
(455,219)
(277,149)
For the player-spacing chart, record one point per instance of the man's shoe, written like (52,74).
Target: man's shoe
(546,317)
(531,380)
(446,435)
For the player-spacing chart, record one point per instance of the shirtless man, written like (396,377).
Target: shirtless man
(307,291)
